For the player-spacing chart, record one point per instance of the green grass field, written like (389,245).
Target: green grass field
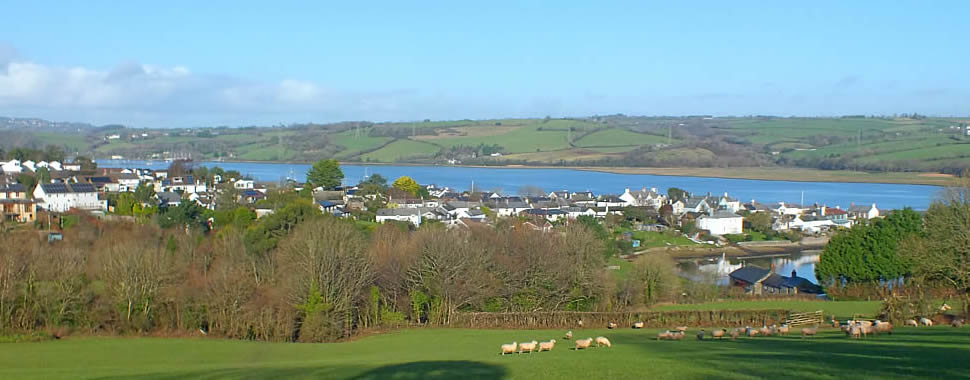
(935,353)
(619,137)
(353,144)
(399,150)
(650,239)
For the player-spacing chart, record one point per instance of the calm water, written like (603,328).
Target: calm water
(508,181)
(717,269)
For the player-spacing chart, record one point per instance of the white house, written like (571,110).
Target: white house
(12,166)
(575,212)
(727,203)
(643,198)
(60,197)
(409,215)
(863,212)
(244,184)
(509,208)
(789,209)
(721,223)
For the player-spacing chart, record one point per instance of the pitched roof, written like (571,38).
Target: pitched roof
(66,188)
(720,214)
(12,188)
(750,274)
(398,212)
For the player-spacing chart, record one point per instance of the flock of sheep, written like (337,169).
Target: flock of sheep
(535,346)
(852,329)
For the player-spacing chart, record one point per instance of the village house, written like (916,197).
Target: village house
(725,202)
(863,212)
(409,215)
(721,222)
(244,184)
(562,194)
(643,198)
(783,208)
(609,200)
(577,211)
(548,214)
(168,199)
(60,197)
(760,281)
(696,204)
(14,204)
(507,207)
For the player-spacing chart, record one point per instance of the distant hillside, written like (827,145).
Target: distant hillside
(852,143)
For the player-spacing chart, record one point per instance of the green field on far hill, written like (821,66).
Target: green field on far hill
(427,353)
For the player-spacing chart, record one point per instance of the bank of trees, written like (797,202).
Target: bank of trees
(318,278)
(868,253)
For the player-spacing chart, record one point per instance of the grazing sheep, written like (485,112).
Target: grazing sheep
(855,332)
(945,308)
(845,328)
(719,334)
(509,348)
(865,323)
(547,346)
(735,333)
(682,328)
(783,330)
(958,323)
(883,327)
(663,335)
(751,332)
(569,335)
(583,343)
(611,325)
(925,321)
(700,335)
(602,341)
(528,347)
(764,330)
(835,322)
(809,331)
(677,335)
(580,323)
(638,325)
(911,322)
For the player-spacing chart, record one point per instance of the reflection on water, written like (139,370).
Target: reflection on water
(717,269)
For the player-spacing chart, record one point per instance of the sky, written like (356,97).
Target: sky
(238,63)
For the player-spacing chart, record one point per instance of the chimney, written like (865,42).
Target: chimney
(725,194)
(793,273)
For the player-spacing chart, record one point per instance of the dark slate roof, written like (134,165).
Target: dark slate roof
(64,188)
(750,274)
(326,204)
(774,281)
(169,197)
(693,202)
(100,180)
(250,193)
(721,214)
(13,188)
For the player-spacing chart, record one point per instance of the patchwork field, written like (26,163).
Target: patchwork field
(931,353)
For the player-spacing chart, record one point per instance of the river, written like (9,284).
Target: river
(509,180)
(716,269)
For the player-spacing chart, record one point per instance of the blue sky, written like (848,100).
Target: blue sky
(243,63)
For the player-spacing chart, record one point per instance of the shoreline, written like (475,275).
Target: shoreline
(781,174)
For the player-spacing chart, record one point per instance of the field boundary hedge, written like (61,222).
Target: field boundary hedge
(661,319)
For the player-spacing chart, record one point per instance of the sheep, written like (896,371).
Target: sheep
(764,330)
(569,335)
(509,348)
(865,323)
(751,332)
(700,335)
(719,334)
(663,335)
(784,329)
(528,346)
(682,328)
(845,328)
(638,325)
(835,322)
(602,341)
(854,332)
(945,308)
(547,346)
(580,323)
(735,333)
(884,327)
(925,321)
(611,325)
(957,323)
(677,335)
(809,331)
(583,343)
(911,322)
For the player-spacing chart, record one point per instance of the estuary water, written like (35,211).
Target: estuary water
(509,180)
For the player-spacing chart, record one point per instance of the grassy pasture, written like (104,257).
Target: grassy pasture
(936,352)
(354,145)
(619,137)
(400,149)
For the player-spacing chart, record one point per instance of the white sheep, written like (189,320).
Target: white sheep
(611,325)
(809,331)
(528,346)
(735,333)
(957,323)
(638,325)
(509,348)
(663,335)
(945,308)
(883,327)
(925,321)
(583,343)
(784,329)
(569,335)
(602,341)
(677,335)
(855,331)
(719,334)
(911,322)
(547,346)
(682,328)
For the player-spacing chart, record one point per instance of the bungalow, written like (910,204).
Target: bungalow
(474,213)
(863,212)
(721,223)
(251,196)
(758,281)
(564,194)
(14,205)
(409,215)
(60,197)
(576,211)
(168,199)
(508,207)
